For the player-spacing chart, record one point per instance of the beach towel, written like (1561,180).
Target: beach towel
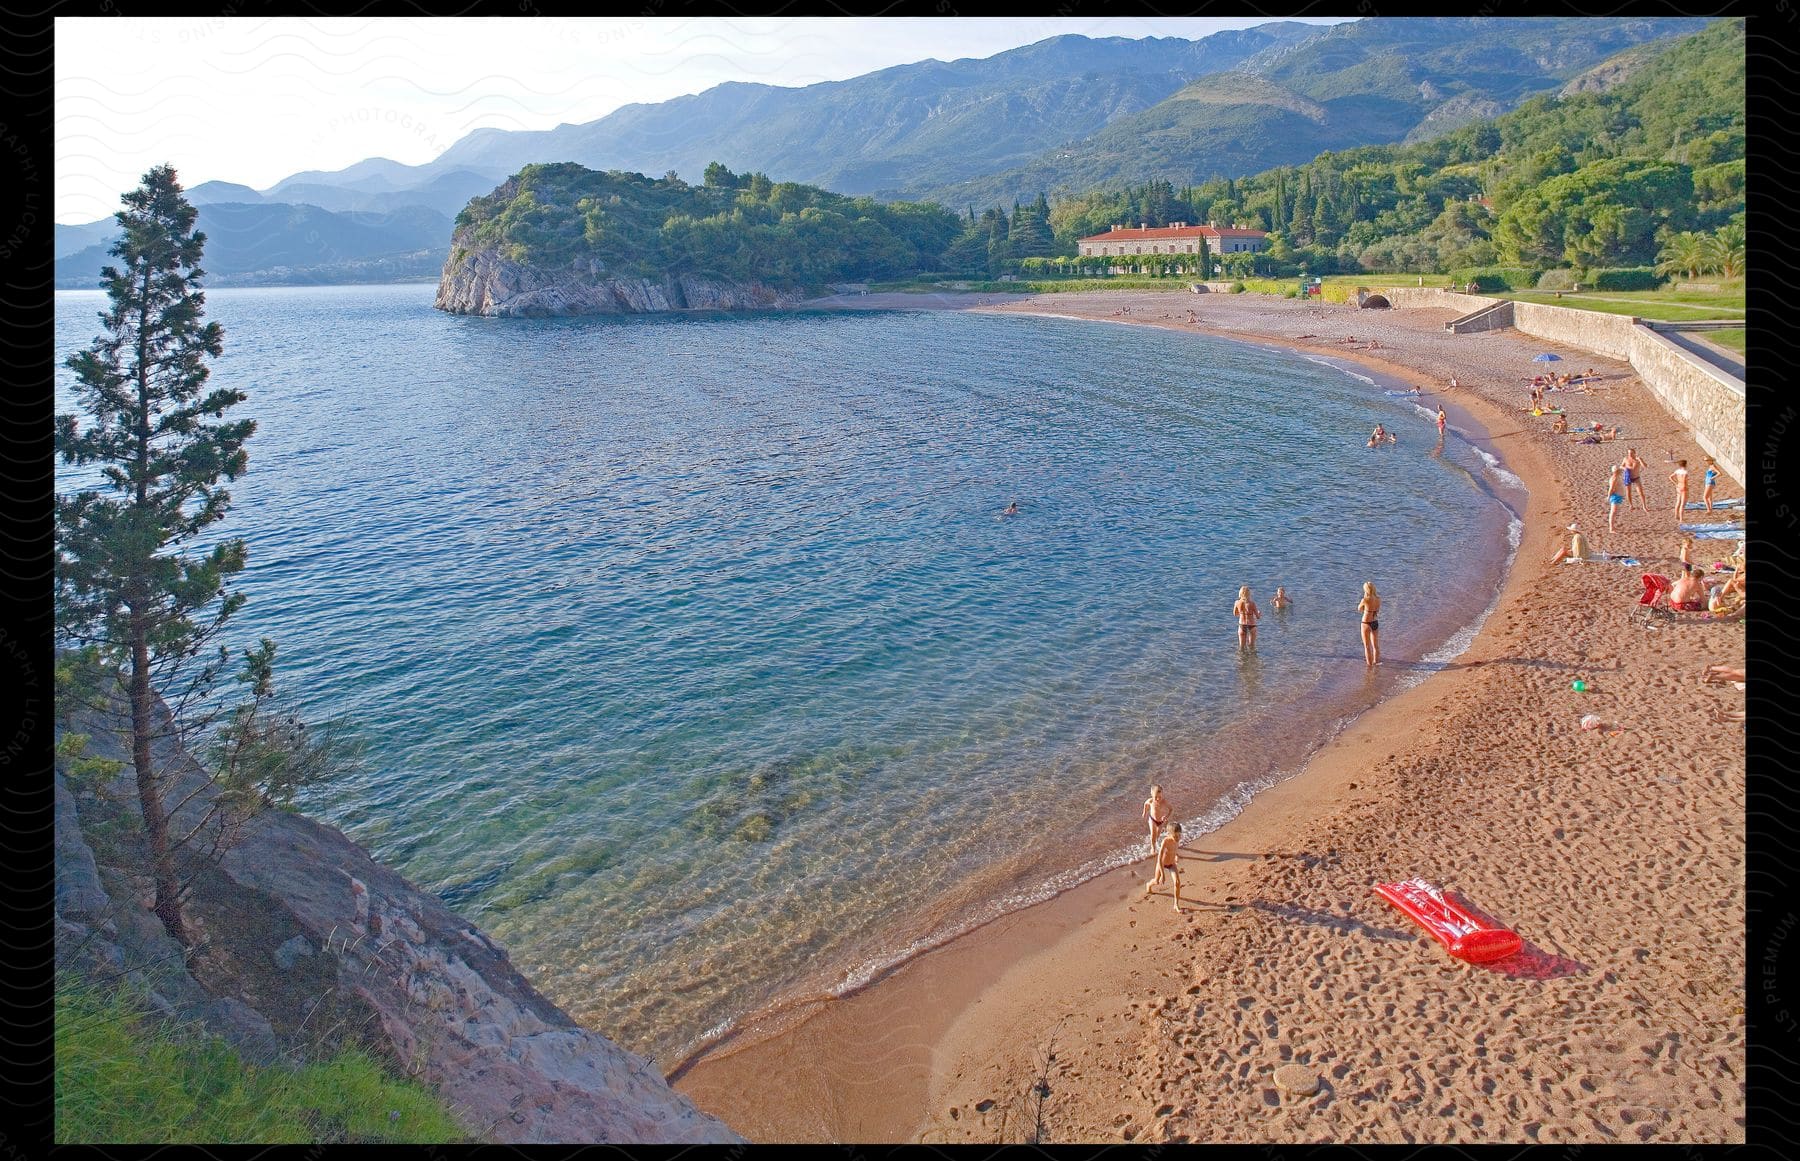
(1729,502)
(1732,528)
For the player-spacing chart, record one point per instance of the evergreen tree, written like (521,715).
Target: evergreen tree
(131,604)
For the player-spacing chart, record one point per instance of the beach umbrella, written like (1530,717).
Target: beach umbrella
(1546,357)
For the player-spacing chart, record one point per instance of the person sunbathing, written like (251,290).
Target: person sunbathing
(1688,595)
(1576,549)
(1561,426)
(1721,675)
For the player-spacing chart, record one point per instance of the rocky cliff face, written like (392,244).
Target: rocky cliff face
(480,281)
(302,935)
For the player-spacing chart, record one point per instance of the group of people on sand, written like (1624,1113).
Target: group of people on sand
(1368,609)
(1625,484)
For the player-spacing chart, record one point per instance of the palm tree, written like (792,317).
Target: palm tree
(1685,254)
(1725,250)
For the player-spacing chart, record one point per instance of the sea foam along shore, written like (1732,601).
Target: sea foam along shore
(1618,856)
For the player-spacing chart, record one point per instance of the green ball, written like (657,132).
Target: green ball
(1578,686)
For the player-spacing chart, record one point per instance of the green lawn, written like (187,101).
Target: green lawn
(1645,306)
(1354,280)
(1732,338)
(1028,286)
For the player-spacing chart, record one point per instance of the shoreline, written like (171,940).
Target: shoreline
(951,1021)
(784,1015)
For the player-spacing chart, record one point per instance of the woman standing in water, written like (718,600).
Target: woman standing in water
(1370,610)
(1156,814)
(1247,615)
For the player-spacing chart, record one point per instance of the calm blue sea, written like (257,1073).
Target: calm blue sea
(695,661)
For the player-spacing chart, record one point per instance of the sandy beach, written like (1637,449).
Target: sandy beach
(1617,854)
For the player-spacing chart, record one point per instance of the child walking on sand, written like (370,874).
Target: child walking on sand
(1156,814)
(1168,858)
(1615,495)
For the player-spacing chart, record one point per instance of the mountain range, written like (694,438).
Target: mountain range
(1064,114)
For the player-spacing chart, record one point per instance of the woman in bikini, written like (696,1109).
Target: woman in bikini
(1441,420)
(1156,814)
(1168,858)
(1247,615)
(1370,609)
(1711,478)
(1680,476)
(1614,495)
(1634,477)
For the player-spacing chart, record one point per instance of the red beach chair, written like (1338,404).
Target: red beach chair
(1656,588)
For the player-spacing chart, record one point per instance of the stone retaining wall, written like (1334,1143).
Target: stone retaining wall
(1432,298)
(1708,399)
(1604,334)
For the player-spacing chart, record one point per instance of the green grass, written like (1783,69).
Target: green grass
(1355,280)
(1030,286)
(1646,307)
(1731,338)
(125,1078)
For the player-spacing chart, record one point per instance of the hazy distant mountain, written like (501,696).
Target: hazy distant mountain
(895,129)
(246,238)
(1362,83)
(209,192)
(68,239)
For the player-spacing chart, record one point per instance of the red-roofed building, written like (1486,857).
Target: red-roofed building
(1179,238)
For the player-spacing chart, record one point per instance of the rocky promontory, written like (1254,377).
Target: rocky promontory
(479,280)
(304,943)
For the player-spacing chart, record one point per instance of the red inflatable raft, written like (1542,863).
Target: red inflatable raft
(1462,934)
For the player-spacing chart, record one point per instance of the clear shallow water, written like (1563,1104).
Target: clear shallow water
(696,664)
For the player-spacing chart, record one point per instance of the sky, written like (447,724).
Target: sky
(252,100)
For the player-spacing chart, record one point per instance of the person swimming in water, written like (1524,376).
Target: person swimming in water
(1012,509)
(1281,600)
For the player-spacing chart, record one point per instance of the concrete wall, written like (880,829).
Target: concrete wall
(1493,318)
(1604,334)
(1432,298)
(1707,399)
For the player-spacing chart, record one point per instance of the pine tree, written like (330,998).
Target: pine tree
(130,602)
